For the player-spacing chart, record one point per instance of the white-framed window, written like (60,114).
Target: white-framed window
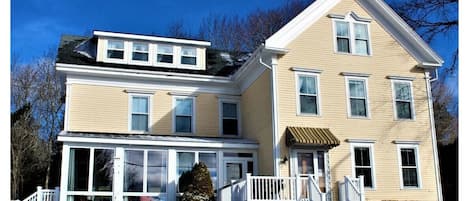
(403,99)
(230,124)
(307,93)
(409,166)
(363,163)
(351,36)
(90,173)
(357,97)
(164,54)
(183,114)
(115,49)
(185,160)
(189,56)
(140,52)
(139,119)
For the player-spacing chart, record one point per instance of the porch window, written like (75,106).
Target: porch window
(363,163)
(140,112)
(409,166)
(403,99)
(357,97)
(115,49)
(308,93)
(186,160)
(188,55)
(184,115)
(229,114)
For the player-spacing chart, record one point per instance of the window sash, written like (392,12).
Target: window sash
(350,37)
(364,163)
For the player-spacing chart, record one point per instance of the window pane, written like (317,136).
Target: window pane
(115,54)
(234,171)
(408,157)
(230,126)
(307,85)
(308,104)
(403,110)
(141,47)
(342,29)
(305,163)
(103,169)
(133,171)
(156,171)
(164,58)
(230,110)
(357,88)
(409,176)
(210,159)
(358,107)
(183,124)
(402,91)
(187,51)
(139,56)
(140,122)
(165,49)
(188,60)
(115,44)
(361,46)
(140,104)
(343,45)
(362,156)
(361,31)
(366,172)
(78,169)
(185,161)
(184,107)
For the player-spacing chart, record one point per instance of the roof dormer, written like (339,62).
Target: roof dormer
(131,49)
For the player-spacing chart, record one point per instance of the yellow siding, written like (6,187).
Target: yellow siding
(314,49)
(256,110)
(105,109)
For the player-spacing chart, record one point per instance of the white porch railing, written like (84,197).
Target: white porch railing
(270,188)
(44,195)
(352,189)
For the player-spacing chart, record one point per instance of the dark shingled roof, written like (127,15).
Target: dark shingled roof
(82,51)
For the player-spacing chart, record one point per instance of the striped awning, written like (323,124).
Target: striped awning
(311,136)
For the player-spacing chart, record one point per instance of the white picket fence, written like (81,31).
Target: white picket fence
(44,195)
(352,189)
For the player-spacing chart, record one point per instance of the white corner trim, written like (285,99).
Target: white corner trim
(151,38)
(307,70)
(139,91)
(356,140)
(397,77)
(406,141)
(183,93)
(355,74)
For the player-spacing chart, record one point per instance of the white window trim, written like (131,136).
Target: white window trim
(193,117)
(220,115)
(417,163)
(138,62)
(114,60)
(155,56)
(367,97)
(394,100)
(150,108)
(351,22)
(372,161)
(195,56)
(297,93)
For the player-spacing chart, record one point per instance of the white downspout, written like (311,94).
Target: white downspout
(274,112)
(436,161)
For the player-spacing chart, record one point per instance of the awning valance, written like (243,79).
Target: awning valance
(311,136)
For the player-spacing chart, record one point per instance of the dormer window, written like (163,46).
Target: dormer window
(164,54)
(140,52)
(351,34)
(188,56)
(115,49)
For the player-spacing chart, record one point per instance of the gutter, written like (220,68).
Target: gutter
(436,160)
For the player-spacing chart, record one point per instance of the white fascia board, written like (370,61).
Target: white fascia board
(225,145)
(151,38)
(300,23)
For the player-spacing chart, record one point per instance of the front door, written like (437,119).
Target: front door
(310,162)
(234,170)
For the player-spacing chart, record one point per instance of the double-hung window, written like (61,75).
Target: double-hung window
(164,54)
(363,162)
(183,114)
(140,110)
(115,49)
(188,55)
(229,118)
(409,166)
(343,36)
(307,86)
(140,52)
(352,37)
(357,97)
(403,99)
(361,38)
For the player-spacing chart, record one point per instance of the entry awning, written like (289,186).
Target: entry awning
(311,136)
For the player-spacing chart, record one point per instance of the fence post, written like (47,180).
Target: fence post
(248,186)
(56,193)
(39,193)
(298,187)
(346,191)
(362,188)
(310,187)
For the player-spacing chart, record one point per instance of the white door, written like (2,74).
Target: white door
(234,170)
(310,162)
